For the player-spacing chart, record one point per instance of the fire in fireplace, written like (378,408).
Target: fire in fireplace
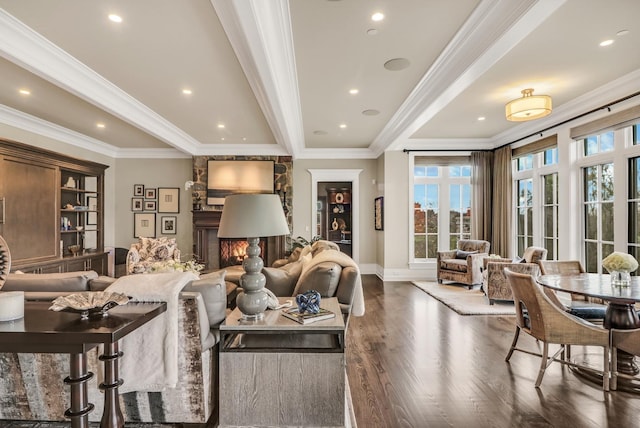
(233,251)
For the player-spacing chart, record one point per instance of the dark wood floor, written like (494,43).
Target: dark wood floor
(413,362)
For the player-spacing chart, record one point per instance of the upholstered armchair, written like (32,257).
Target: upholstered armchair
(494,281)
(5,261)
(464,264)
(144,256)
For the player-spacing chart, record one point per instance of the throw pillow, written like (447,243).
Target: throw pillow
(463,254)
(323,277)
(214,293)
(517,259)
(282,280)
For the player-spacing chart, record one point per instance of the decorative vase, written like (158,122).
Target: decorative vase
(620,277)
(334,225)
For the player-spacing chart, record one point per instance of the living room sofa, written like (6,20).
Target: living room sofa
(32,387)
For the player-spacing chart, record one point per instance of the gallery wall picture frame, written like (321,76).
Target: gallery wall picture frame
(378,213)
(137,204)
(144,225)
(149,205)
(150,193)
(168,199)
(138,190)
(168,225)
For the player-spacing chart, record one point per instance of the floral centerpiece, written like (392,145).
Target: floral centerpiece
(620,265)
(176,266)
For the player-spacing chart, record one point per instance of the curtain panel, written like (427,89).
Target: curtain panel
(482,185)
(501,215)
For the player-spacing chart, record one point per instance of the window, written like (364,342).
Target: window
(598,195)
(525,162)
(442,208)
(595,144)
(550,215)
(634,205)
(524,215)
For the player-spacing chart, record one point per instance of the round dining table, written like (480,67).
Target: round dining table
(621,312)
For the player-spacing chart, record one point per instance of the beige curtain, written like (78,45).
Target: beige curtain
(481,183)
(501,227)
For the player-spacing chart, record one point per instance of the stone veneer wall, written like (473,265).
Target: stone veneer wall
(283,175)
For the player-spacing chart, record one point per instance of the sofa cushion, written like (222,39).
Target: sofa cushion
(460,254)
(458,265)
(68,282)
(323,277)
(283,280)
(213,289)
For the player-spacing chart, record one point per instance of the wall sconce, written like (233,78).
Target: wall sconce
(283,194)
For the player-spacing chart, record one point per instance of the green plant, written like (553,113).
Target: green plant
(301,242)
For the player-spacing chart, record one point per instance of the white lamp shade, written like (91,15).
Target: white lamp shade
(528,107)
(251,215)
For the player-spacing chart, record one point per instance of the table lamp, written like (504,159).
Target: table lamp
(252,216)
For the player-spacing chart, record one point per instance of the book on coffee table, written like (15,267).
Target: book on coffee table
(307,318)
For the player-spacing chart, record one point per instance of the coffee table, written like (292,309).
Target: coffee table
(45,331)
(276,372)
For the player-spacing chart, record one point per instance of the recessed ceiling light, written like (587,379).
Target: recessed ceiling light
(622,33)
(318,132)
(244,138)
(222,139)
(481,118)
(100,125)
(187,91)
(25,91)
(353,91)
(397,64)
(343,125)
(378,16)
(115,18)
(606,43)
(371,112)
(221,126)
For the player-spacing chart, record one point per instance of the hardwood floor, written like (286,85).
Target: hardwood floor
(413,362)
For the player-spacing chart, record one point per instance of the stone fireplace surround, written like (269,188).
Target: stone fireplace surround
(206,244)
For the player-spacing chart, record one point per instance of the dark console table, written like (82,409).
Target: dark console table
(45,331)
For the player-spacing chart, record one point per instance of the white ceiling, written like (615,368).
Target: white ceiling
(277,73)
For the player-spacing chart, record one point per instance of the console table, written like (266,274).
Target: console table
(45,331)
(276,372)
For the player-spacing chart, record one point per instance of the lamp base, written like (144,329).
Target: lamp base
(252,301)
(254,317)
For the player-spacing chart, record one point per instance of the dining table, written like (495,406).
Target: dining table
(621,300)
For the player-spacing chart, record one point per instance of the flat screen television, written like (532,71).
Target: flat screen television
(226,177)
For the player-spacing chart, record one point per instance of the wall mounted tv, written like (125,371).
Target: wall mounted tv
(226,177)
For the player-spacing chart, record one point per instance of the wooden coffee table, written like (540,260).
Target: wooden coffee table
(276,372)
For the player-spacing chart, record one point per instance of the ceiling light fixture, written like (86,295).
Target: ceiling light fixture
(378,16)
(353,91)
(115,18)
(343,125)
(606,43)
(25,91)
(528,107)
(100,125)
(221,126)
(187,91)
(481,118)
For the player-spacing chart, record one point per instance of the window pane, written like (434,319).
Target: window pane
(591,145)
(549,245)
(636,134)
(454,223)
(466,171)
(606,142)
(607,182)
(591,221)
(591,257)
(419,247)
(607,221)
(419,221)
(634,219)
(551,156)
(419,171)
(548,220)
(634,178)
(591,183)
(520,221)
(606,250)
(548,189)
(432,246)
(432,196)
(432,221)
(433,171)
(454,171)
(521,244)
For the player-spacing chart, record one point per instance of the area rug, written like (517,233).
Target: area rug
(464,301)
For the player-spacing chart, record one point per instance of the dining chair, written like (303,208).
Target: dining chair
(625,340)
(539,317)
(588,308)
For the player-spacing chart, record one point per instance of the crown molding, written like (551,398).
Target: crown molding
(242,150)
(445,144)
(25,47)
(337,154)
(261,36)
(26,122)
(492,30)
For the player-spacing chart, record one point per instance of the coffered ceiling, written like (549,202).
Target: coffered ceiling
(274,76)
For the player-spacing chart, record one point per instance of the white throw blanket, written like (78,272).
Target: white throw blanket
(150,360)
(357,308)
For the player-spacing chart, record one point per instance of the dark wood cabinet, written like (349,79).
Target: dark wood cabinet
(51,203)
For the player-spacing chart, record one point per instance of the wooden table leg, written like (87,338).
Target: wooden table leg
(112,416)
(77,381)
(623,316)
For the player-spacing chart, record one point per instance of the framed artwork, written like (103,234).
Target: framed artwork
(168,199)
(92,215)
(138,190)
(225,177)
(137,204)
(378,213)
(150,193)
(168,225)
(144,224)
(149,205)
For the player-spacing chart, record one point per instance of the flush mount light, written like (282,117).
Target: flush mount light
(606,43)
(528,107)
(115,18)
(378,16)
(24,91)
(187,91)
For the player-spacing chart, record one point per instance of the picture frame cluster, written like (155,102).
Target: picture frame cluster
(147,202)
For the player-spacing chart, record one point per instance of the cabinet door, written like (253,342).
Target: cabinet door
(73,265)
(99,264)
(30,194)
